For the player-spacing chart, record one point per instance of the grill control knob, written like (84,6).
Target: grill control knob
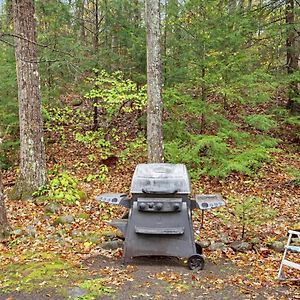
(159,206)
(204,205)
(150,205)
(176,206)
(142,206)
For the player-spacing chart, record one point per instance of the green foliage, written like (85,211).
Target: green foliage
(96,139)
(115,95)
(101,175)
(261,122)
(134,149)
(63,187)
(9,123)
(294,120)
(248,212)
(296,174)
(228,150)
(95,288)
(8,149)
(59,119)
(213,156)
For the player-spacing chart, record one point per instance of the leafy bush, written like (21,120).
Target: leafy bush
(101,175)
(96,139)
(114,95)
(58,119)
(63,187)
(134,149)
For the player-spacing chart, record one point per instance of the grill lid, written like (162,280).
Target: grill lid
(160,178)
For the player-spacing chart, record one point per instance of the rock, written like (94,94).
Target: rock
(217,246)
(109,235)
(277,246)
(67,219)
(241,246)
(49,229)
(76,102)
(75,292)
(40,200)
(30,231)
(52,208)
(224,238)
(17,232)
(255,241)
(76,233)
(204,243)
(111,245)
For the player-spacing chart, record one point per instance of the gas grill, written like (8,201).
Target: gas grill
(160,213)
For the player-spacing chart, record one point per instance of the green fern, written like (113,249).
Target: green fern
(261,122)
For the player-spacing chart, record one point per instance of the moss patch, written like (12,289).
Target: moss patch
(38,271)
(95,288)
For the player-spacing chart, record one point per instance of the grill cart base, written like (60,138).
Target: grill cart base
(160,220)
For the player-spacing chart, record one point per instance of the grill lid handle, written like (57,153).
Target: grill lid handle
(145,191)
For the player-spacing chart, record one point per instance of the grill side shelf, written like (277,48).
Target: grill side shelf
(115,199)
(205,202)
(162,231)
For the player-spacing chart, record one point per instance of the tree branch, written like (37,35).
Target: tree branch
(3,34)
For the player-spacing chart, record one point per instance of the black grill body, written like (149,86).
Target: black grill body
(160,213)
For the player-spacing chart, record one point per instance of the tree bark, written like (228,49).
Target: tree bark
(232,6)
(292,56)
(80,15)
(97,26)
(4,225)
(249,7)
(154,82)
(32,154)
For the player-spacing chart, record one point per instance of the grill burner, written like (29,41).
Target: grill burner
(160,220)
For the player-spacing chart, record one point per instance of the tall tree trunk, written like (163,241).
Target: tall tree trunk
(241,5)
(154,82)
(4,226)
(292,55)
(249,7)
(232,6)
(80,14)
(97,25)
(32,154)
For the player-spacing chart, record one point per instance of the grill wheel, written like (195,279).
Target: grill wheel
(196,262)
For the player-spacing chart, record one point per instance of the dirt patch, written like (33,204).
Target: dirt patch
(168,278)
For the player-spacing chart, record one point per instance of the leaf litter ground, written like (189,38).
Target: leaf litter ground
(45,262)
